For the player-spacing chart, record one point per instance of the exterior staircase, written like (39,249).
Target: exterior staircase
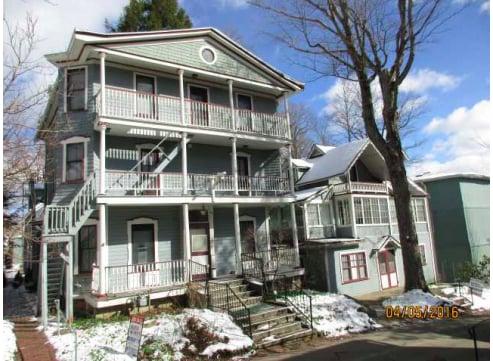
(266,323)
(56,269)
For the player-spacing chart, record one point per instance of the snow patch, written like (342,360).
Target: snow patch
(475,302)
(415,298)
(337,315)
(9,343)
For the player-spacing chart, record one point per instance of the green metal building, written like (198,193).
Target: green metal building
(460,208)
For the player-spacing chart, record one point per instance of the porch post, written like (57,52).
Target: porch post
(182,96)
(232,104)
(212,250)
(295,233)
(102,80)
(102,158)
(184,161)
(186,233)
(102,249)
(234,165)
(290,170)
(267,228)
(44,282)
(286,109)
(236,212)
(305,221)
(69,283)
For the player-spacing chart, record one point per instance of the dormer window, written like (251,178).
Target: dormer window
(75,89)
(208,55)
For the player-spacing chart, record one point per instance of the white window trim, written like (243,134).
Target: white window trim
(142,220)
(247,218)
(245,95)
(86,80)
(363,212)
(89,222)
(368,277)
(202,48)
(74,140)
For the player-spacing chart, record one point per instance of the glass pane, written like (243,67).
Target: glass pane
(199,243)
(144,84)
(75,151)
(367,211)
(375,213)
(142,243)
(346,275)
(358,209)
(76,100)
(313,215)
(76,79)
(244,102)
(74,171)
(208,55)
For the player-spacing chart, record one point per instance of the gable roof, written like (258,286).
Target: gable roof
(335,161)
(80,39)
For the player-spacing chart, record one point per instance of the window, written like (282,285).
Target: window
(244,102)
(419,213)
(422,252)
(74,166)
(371,210)
(76,89)
(343,212)
(87,248)
(313,218)
(208,55)
(393,213)
(354,267)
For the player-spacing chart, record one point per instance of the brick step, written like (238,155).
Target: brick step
(278,331)
(289,337)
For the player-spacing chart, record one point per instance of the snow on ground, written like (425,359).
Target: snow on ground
(476,302)
(338,315)
(107,341)
(9,345)
(415,298)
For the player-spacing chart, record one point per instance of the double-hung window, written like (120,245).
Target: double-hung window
(74,166)
(76,89)
(419,213)
(343,212)
(353,267)
(87,248)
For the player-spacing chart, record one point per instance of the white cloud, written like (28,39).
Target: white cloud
(426,79)
(462,143)
(229,3)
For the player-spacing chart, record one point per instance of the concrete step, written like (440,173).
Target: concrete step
(222,296)
(288,337)
(278,331)
(233,282)
(267,313)
(250,301)
(268,323)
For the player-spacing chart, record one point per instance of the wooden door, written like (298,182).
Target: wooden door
(387,268)
(247,232)
(199,239)
(145,91)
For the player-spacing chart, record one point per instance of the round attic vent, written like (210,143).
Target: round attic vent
(208,55)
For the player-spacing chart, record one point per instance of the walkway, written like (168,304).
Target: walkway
(31,342)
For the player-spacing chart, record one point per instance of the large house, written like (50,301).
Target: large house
(167,161)
(347,220)
(460,210)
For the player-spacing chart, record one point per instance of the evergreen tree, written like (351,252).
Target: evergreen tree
(146,15)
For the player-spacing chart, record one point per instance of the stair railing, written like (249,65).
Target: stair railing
(221,295)
(64,219)
(295,297)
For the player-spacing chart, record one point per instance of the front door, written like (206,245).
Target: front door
(145,93)
(388,271)
(247,232)
(143,243)
(199,105)
(199,239)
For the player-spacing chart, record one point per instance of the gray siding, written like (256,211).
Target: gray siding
(224,241)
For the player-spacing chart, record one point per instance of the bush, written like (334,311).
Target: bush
(470,270)
(153,349)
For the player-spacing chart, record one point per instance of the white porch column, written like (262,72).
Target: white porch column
(234,165)
(212,250)
(305,221)
(187,255)
(286,109)
(182,95)
(69,282)
(102,158)
(232,104)
(44,282)
(102,80)
(290,170)
(236,212)
(295,232)
(184,162)
(102,249)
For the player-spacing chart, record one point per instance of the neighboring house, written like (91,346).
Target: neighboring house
(347,219)
(460,209)
(166,157)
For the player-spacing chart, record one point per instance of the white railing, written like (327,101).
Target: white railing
(95,278)
(150,275)
(64,219)
(146,183)
(360,187)
(130,104)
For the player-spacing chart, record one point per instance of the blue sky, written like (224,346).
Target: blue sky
(452,73)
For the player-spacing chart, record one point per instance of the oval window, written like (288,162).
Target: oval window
(208,55)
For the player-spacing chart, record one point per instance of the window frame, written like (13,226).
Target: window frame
(74,140)
(79,249)
(358,266)
(345,210)
(65,90)
(423,254)
(371,208)
(208,47)
(237,95)
(414,202)
(89,222)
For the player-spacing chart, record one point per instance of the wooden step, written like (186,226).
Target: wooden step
(268,323)
(289,337)
(278,331)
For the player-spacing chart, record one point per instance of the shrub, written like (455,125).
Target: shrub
(469,270)
(153,349)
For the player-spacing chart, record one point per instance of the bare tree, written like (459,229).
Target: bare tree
(302,120)
(365,40)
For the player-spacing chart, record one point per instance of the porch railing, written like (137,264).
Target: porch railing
(149,275)
(130,104)
(260,264)
(360,187)
(159,184)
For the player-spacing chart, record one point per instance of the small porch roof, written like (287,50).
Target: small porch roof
(384,242)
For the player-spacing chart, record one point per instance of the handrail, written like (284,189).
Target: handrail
(234,305)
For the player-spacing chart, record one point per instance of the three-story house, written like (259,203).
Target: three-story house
(167,156)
